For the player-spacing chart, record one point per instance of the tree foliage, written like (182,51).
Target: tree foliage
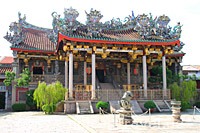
(47,96)
(10,76)
(24,79)
(157,75)
(185,93)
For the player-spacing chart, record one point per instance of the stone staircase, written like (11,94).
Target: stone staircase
(108,92)
(162,105)
(136,107)
(84,107)
(114,106)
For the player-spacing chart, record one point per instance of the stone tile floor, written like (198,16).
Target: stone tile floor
(37,122)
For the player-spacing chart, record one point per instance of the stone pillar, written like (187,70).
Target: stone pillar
(128,74)
(66,74)
(56,70)
(15,66)
(164,76)
(84,73)
(70,75)
(144,63)
(93,76)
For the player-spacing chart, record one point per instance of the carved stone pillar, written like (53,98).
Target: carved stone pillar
(164,76)
(93,76)
(144,63)
(71,75)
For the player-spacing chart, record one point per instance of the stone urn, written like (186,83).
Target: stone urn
(176,110)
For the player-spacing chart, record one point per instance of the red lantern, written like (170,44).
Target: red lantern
(88,70)
(135,71)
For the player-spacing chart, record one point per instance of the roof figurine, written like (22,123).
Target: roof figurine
(142,29)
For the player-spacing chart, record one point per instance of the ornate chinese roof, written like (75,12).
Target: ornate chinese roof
(140,30)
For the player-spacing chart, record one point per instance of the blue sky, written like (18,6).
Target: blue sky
(38,12)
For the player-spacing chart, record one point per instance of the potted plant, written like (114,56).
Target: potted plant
(103,105)
(150,105)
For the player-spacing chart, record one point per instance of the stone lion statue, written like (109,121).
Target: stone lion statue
(125,100)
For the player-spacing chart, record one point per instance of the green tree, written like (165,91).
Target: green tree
(24,79)
(47,96)
(157,75)
(185,93)
(10,76)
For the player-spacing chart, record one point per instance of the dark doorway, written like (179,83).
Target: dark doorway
(37,70)
(100,75)
(2,100)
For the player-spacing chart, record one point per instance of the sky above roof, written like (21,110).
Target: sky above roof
(38,12)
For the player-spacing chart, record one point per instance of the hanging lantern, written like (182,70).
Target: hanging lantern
(135,71)
(104,56)
(60,57)
(94,48)
(89,70)
(26,61)
(149,60)
(75,65)
(134,56)
(48,63)
(119,65)
(65,48)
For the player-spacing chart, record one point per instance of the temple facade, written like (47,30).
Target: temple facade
(117,54)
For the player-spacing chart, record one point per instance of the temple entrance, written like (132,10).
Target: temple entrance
(37,70)
(2,100)
(100,75)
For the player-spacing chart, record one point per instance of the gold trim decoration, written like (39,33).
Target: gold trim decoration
(134,56)
(124,60)
(65,48)
(66,58)
(88,60)
(79,46)
(104,55)
(146,51)
(86,47)
(134,48)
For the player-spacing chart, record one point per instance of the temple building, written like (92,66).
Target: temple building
(5,92)
(117,54)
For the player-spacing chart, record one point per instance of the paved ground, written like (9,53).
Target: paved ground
(37,122)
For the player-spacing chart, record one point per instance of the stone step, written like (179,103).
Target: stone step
(162,105)
(84,107)
(136,107)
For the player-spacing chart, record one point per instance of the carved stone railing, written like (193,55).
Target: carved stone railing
(46,78)
(116,94)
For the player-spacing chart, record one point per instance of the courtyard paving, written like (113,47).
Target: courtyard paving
(37,122)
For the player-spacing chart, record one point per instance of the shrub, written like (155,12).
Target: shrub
(103,105)
(47,96)
(19,107)
(29,100)
(149,104)
(185,92)
(197,104)
(49,108)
